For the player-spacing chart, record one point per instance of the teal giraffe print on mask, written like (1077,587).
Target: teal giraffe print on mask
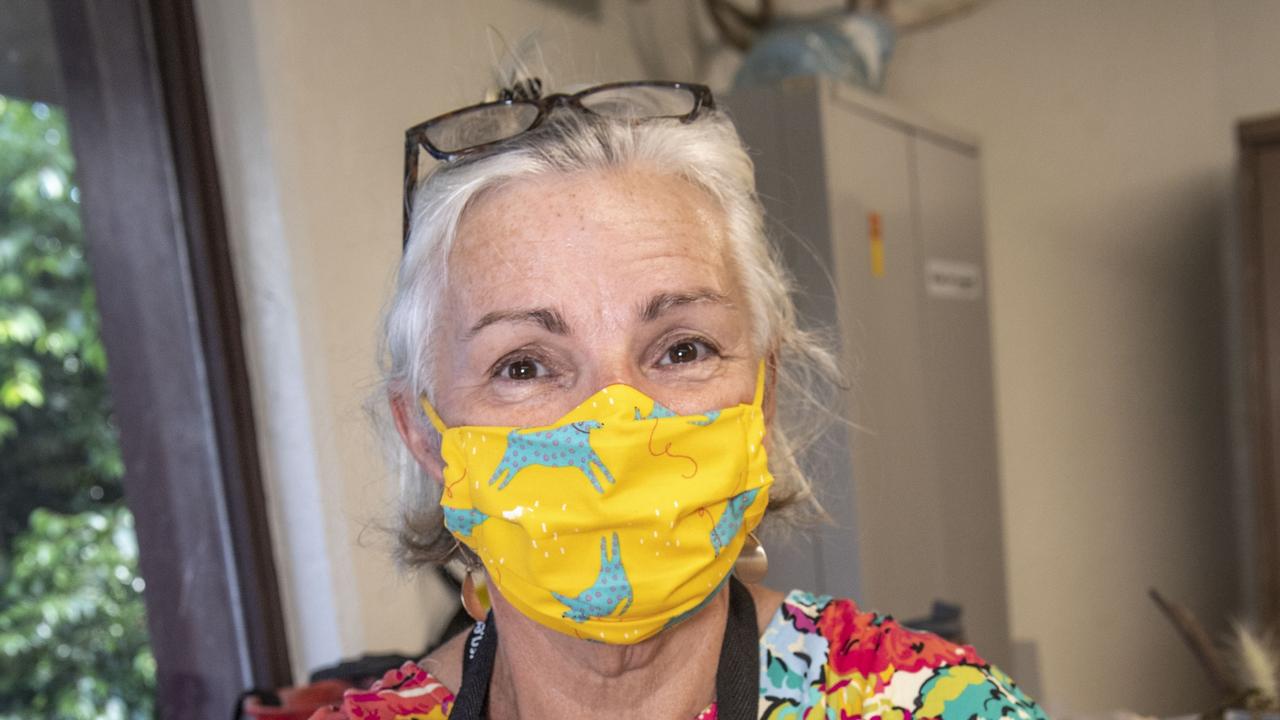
(730,522)
(659,412)
(566,446)
(462,522)
(696,608)
(611,588)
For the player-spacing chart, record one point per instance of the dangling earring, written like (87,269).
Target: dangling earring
(475,594)
(752,563)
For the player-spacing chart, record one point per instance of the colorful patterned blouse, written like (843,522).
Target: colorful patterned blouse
(819,658)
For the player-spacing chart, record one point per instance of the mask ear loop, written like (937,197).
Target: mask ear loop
(436,422)
(759,396)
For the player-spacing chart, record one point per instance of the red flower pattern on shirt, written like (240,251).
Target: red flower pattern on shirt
(868,644)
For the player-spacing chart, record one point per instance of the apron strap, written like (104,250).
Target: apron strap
(737,677)
(472,701)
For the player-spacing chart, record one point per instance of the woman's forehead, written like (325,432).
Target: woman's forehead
(606,203)
(607,235)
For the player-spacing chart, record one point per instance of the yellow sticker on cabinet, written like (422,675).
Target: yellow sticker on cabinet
(877,244)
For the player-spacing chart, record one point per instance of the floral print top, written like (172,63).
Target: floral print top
(820,658)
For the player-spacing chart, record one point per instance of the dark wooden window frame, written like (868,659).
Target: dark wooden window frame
(158,250)
(1261,337)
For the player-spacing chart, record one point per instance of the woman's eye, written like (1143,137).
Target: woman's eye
(686,351)
(523,369)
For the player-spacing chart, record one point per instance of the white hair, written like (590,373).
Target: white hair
(706,152)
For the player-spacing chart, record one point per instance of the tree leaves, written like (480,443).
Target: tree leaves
(57,443)
(72,631)
(73,640)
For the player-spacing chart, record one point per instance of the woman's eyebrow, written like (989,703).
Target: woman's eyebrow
(664,301)
(551,320)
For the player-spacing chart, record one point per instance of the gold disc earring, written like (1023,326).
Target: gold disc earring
(752,563)
(475,594)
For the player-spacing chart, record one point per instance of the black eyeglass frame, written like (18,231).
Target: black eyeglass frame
(416,136)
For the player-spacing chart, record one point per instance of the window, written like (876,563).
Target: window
(131,85)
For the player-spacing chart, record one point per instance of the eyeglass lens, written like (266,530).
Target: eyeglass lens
(481,125)
(640,101)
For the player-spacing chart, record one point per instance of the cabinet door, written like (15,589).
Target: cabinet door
(958,386)
(783,127)
(780,129)
(899,512)
(880,222)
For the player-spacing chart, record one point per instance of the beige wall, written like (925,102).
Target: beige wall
(1107,145)
(1106,150)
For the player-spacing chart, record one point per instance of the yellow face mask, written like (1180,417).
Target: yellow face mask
(618,520)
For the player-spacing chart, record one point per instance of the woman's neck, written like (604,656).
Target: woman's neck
(540,673)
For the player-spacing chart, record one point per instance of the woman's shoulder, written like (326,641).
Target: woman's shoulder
(825,652)
(410,690)
(849,639)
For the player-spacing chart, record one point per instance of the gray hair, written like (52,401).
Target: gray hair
(706,152)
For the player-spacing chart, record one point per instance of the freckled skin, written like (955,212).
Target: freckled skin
(594,246)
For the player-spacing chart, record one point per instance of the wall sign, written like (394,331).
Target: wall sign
(952,279)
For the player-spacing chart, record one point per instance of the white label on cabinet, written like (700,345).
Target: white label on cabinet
(952,279)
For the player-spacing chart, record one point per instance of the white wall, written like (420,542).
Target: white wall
(1108,147)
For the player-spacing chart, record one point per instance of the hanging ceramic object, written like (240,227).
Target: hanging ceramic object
(854,47)
(853,43)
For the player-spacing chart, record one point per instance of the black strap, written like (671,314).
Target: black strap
(737,677)
(472,701)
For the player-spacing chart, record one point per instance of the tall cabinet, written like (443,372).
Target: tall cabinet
(878,214)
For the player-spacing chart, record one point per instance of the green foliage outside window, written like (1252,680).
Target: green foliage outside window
(73,640)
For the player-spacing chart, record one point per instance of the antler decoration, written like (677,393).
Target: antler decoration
(1197,639)
(737,26)
(880,6)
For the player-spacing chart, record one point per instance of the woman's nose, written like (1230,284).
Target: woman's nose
(618,372)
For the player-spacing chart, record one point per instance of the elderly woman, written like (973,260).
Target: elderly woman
(585,352)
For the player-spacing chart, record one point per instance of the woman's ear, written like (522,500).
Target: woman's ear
(417,436)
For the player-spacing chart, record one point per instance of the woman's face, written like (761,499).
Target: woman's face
(564,284)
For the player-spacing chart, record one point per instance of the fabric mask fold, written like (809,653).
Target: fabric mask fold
(616,520)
